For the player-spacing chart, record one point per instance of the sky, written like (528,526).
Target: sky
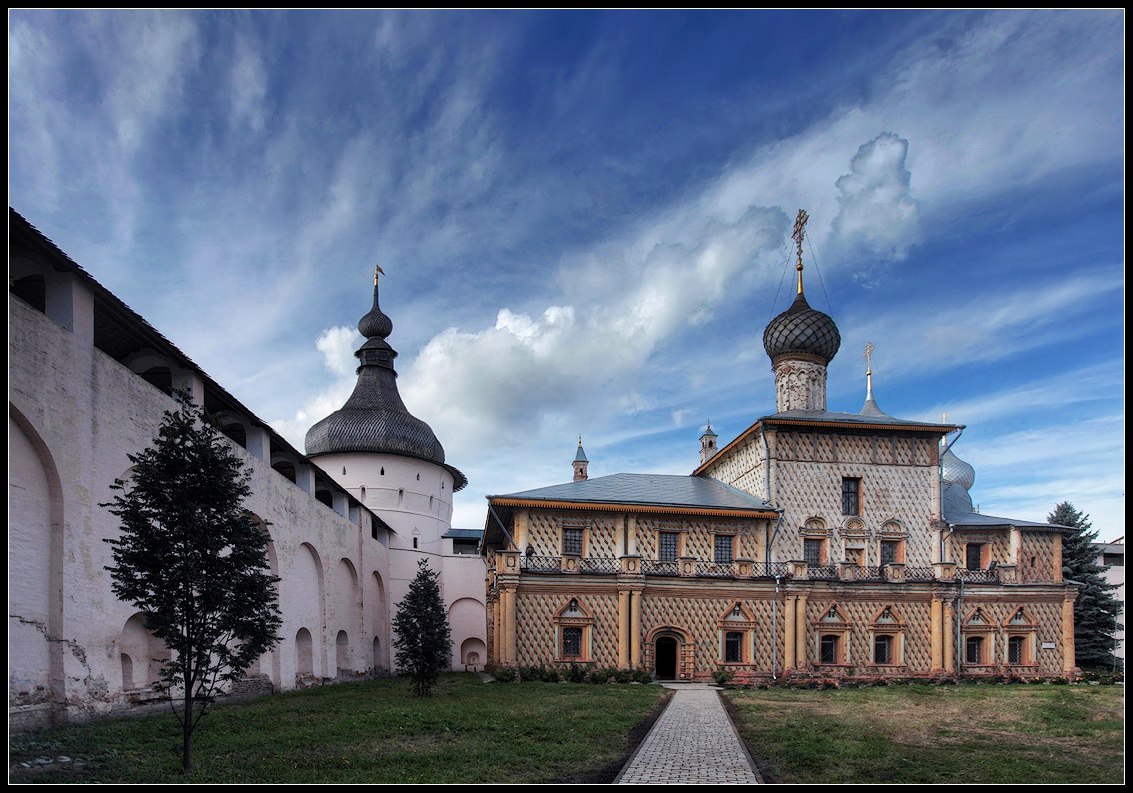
(584,219)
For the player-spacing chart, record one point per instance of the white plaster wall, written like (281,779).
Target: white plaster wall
(91,412)
(415,498)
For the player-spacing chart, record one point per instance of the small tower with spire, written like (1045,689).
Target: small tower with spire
(580,463)
(708,444)
(800,343)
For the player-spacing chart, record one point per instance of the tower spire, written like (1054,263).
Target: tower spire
(798,235)
(868,371)
(580,462)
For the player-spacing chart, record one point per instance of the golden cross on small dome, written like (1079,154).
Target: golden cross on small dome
(797,235)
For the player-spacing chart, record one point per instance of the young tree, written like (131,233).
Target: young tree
(193,561)
(1095,610)
(424,641)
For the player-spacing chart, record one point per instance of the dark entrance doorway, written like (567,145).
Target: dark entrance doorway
(666,655)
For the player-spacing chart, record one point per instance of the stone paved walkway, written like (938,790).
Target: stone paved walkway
(693,741)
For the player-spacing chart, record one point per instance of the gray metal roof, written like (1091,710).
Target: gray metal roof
(959,514)
(463,534)
(648,489)
(867,419)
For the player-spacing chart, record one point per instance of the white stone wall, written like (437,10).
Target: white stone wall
(414,497)
(799,385)
(79,414)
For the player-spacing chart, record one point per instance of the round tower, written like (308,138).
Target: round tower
(374,447)
(801,342)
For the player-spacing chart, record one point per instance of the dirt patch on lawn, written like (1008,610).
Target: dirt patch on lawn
(609,772)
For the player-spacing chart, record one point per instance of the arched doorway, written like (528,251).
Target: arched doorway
(665,657)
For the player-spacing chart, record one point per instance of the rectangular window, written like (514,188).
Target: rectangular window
(723,548)
(812,552)
(572,541)
(974,650)
(572,642)
(668,546)
(829,649)
(973,556)
(733,647)
(1016,650)
(883,650)
(851,496)
(890,551)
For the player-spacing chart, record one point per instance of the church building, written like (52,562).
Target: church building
(816,542)
(347,521)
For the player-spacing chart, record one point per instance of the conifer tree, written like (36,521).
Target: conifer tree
(194,562)
(1095,610)
(423,641)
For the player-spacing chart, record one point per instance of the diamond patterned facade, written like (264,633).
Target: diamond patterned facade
(845,562)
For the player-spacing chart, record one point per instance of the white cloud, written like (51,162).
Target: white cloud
(877,213)
(248,85)
(337,347)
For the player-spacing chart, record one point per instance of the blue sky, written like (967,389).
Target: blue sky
(584,219)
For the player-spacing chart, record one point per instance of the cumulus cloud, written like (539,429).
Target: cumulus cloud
(877,215)
(584,359)
(337,347)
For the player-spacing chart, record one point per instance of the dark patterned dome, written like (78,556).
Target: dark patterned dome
(801,329)
(374,419)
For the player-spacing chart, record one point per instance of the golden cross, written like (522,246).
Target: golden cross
(378,271)
(868,353)
(799,233)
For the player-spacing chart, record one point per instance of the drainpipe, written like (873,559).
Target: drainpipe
(771,541)
(959,635)
(775,634)
(766,462)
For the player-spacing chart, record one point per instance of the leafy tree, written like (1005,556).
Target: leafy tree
(193,561)
(1095,610)
(424,641)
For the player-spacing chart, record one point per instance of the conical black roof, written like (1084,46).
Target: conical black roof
(374,419)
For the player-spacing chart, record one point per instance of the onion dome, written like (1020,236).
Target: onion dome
(953,470)
(374,419)
(802,330)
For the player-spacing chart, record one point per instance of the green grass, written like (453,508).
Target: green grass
(466,731)
(936,734)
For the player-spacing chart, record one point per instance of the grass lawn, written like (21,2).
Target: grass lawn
(375,731)
(936,734)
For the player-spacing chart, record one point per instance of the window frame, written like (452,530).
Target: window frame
(981,549)
(734,640)
(731,543)
(838,656)
(855,492)
(821,545)
(563,532)
(676,535)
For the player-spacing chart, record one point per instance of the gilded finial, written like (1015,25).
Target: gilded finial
(378,271)
(797,235)
(868,370)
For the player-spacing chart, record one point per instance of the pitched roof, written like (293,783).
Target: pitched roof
(663,490)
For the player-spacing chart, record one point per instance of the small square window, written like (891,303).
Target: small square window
(974,650)
(890,552)
(668,546)
(828,649)
(733,647)
(723,548)
(812,552)
(1016,650)
(572,642)
(883,649)
(851,496)
(973,556)
(572,541)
